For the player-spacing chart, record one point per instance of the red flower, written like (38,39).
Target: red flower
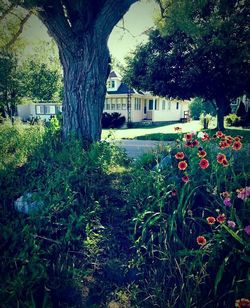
(189,137)
(242,303)
(220,158)
(173,193)
(182,165)
(201,240)
(225,194)
(202,153)
(219,134)
(211,220)
(205,137)
(185,178)
(204,163)
(179,155)
(188,144)
(195,143)
(223,145)
(225,163)
(221,218)
(237,138)
(237,145)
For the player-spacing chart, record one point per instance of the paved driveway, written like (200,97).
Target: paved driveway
(135,148)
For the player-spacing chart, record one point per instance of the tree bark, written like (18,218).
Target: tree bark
(85,75)
(221,109)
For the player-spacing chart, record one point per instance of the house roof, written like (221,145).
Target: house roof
(124,89)
(112,74)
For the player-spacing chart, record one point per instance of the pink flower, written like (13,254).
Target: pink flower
(227,202)
(247,230)
(231,224)
(247,191)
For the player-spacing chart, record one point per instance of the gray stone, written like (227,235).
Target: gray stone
(26,204)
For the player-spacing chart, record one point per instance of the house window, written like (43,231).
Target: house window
(150,104)
(107,104)
(118,104)
(177,105)
(108,84)
(124,103)
(156,104)
(169,105)
(163,105)
(112,104)
(39,109)
(137,103)
(112,84)
(49,110)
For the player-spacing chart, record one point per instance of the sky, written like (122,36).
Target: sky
(137,20)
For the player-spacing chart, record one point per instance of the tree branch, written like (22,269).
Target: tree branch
(53,17)
(111,13)
(20,30)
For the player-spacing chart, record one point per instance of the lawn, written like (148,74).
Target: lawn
(132,133)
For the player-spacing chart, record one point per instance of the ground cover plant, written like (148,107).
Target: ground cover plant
(170,229)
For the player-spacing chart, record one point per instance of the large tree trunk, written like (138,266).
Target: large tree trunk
(85,75)
(221,110)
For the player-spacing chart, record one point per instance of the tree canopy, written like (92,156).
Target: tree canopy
(200,48)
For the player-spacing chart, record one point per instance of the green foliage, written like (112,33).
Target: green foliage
(170,215)
(40,81)
(48,254)
(205,119)
(114,231)
(187,54)
(199,106)
(232,119)
(9,83)
(113,120)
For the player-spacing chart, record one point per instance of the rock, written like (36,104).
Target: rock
(25,204)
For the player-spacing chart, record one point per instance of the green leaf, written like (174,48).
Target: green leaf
(220,274)
(233,234)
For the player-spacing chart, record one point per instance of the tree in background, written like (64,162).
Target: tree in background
(199,106)
(9,83)
(81,30)
(41,74)
(201,48)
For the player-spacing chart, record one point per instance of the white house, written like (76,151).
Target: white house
(136,106)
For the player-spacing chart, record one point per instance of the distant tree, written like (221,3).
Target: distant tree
(9,83)
(199,106)
(201,48)
(39,81)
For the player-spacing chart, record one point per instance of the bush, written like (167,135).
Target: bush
(205,120)
(232,119)
(113,120)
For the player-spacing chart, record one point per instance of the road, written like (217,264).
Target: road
(135,148)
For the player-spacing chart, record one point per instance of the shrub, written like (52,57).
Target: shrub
(113,120)
(205,120)
(232,119)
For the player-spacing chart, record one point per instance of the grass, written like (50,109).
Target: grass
(173,136)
